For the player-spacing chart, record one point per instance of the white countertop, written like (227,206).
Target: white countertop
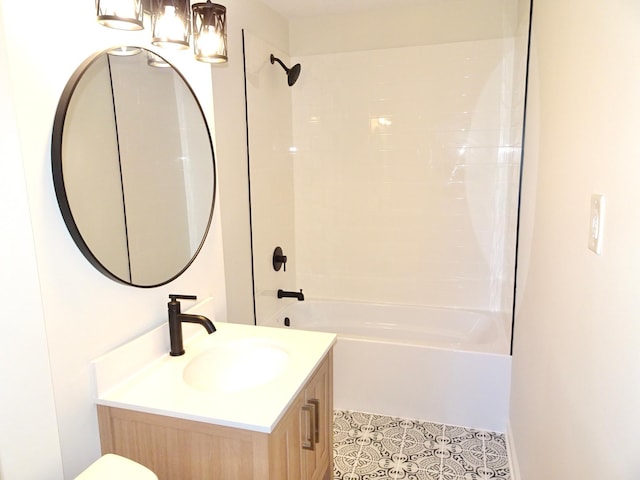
(157,386)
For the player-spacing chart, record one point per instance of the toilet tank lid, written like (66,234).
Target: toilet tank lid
(112,466)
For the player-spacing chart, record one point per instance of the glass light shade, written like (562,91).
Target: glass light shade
(120,14)
(124,51)
(210,32)
(170,23)
(157,61)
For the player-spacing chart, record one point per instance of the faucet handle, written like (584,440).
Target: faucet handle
(279,259)
(175,297)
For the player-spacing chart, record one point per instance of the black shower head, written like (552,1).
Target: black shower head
(292,73)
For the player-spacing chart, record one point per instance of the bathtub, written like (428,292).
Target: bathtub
(442,365)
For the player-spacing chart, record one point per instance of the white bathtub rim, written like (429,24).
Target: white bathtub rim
(308,299)
(448,348)
(499,347)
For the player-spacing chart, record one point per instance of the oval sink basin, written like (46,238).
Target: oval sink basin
(236,365)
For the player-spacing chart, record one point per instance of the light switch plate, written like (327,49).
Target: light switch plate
(596,223)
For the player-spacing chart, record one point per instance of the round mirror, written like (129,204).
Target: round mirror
(133,166)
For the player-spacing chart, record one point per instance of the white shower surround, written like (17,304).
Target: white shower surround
(442,365)
(403,182)
(406,171)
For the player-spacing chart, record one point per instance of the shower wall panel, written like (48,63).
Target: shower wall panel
(270,172)
(406,172)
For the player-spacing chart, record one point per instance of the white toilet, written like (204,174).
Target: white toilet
(115,467)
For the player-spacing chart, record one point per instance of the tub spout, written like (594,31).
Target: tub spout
(284,294)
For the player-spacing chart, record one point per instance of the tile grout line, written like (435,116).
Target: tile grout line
(356,464)
(444,428)
(484,452)
(362,446)
(404,436)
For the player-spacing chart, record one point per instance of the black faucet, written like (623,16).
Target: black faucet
(175,323)
(299,295)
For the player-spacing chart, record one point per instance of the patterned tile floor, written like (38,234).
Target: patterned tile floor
(367,446)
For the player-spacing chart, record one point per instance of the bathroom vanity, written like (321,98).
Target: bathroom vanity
(275,424)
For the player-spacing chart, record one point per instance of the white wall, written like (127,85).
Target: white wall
(27,410)
(83,313)
(423,23)
(576,381)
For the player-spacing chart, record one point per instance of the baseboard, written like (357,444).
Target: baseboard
(513,457)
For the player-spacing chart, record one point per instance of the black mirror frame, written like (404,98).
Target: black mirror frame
(58,173)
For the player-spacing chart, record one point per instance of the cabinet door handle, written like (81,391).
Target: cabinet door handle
(309,427)
(316,409)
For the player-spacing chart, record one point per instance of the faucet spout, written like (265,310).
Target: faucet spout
(200,319)
(176,318)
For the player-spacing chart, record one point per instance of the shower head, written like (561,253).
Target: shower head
(292,73)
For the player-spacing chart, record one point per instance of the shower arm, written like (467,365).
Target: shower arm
(292,73)
(276,59)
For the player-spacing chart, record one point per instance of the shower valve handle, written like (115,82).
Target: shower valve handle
(279,260)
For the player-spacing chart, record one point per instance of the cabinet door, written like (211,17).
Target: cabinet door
(285,445)
(317,419)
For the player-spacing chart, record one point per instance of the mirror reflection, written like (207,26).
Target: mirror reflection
(133,166)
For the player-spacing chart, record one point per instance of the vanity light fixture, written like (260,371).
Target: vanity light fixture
(120,14)
(171,24)
(210,32)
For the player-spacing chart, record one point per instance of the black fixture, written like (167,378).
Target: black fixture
(292,73)
(175,323)
(284,294)
(279,260)
(287,322)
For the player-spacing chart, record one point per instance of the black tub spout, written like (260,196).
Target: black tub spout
(284,294)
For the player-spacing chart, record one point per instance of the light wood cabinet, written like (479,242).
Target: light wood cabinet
(298,448)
